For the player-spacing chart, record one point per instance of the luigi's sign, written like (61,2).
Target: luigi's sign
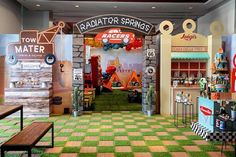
(114,20)
(34,46)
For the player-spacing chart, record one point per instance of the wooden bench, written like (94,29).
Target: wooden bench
(28,138)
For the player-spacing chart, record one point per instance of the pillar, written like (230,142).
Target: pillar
(165,66)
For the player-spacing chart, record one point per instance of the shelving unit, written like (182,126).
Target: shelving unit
(180,69)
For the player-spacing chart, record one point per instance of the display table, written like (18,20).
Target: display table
(194,91)
(36,101)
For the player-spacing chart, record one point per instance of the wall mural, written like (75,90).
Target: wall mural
(124,62)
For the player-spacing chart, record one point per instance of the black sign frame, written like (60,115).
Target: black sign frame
(114,20)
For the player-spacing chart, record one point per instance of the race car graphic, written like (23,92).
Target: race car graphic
(115,36)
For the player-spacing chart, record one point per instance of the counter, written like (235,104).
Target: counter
(194,91)
(36,101)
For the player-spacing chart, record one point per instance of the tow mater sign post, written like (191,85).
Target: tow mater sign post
(34,45)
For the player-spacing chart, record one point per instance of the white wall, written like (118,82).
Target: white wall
(225,14)
(10,15)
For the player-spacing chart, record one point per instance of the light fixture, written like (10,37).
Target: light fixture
(37,5)
(153,7)
(190,8)
(115,7)
(77,6)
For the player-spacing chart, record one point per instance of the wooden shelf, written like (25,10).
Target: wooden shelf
(190,68)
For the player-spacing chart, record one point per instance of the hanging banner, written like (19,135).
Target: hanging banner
(114,20)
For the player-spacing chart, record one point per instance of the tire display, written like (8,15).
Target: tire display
(50,59)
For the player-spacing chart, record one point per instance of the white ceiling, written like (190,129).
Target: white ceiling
(66,10)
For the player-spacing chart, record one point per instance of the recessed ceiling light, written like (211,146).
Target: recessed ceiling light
(115,6)
(153,7)
(190,7)
(77,6)
(37,5)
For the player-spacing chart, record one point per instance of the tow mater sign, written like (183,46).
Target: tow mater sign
(29,47)
(34,45)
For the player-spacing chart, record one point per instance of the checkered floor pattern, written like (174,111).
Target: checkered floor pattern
(117,134)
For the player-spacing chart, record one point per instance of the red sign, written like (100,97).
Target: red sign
(234,60)
(115,36)
(233,80)
(206,111)
(188,37)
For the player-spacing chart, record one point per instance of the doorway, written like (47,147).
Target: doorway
(150,63)
(114,72)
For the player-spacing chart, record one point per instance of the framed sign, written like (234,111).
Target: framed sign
(78,75)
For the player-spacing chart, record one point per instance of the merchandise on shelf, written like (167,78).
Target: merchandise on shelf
(218,86)
(187,73)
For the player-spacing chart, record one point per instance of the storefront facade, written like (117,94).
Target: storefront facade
(151,45)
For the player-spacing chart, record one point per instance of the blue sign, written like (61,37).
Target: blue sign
(206,113)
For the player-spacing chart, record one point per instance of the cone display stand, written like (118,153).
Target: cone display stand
(134,81)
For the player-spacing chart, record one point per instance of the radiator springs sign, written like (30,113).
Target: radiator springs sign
(114,20)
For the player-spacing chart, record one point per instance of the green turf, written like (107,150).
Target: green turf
(175,149)
(185,142)
(76,138)
(86,126)
(140,149)
(105,149)
(162,154)
(122,143)
(154,143)
(136,138)
(116,100)
(89,143)
(124,154)
(87,155)
(71,150)
(106,138)
(198,154)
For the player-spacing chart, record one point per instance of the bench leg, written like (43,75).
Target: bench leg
(29,153)
(2,152)
(52,135)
